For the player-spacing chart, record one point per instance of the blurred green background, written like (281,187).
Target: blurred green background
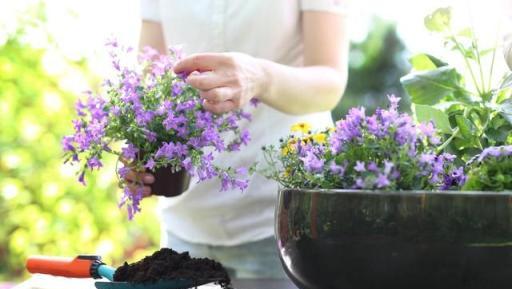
(42,207)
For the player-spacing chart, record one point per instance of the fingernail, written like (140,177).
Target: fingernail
(149,179)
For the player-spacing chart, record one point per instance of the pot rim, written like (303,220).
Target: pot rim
(398,192)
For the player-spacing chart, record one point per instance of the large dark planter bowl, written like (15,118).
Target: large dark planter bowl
(168,183)
(412,240)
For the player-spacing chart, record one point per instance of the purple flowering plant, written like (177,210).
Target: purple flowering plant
(383,151)
(490,170)
(150,118)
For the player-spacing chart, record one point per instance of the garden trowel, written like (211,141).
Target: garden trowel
(91,266)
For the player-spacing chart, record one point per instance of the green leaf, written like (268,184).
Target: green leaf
(425,61)
(429,87)
(507,82)
(439,20)
(426,113)
(499,135)
(466,128)
(505,110)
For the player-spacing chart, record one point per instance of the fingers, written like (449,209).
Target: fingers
(134,188)
(219,94)
(219,107)
(133,182)
(200,62)
(134,177)
(207,80)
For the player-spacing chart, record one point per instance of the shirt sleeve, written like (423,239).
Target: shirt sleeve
(150,10)
(333,6)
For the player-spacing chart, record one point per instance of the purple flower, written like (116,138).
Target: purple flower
(67,144)
(312,163)
(94,163)
(336,169)
(455,178)
(372,167)
(254,101)
(245,137)
(388,166)
(81,178)
(359,167)
(129,152)
(359,184)
(242,171)
(150,164)
(171,150)
(393,100)
(381,181)
(123,172)
(187,164)
(177,87)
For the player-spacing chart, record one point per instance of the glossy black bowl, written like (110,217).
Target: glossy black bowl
(352,239)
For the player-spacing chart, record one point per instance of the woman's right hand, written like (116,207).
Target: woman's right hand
(133,180)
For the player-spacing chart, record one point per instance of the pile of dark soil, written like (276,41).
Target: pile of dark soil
(169,264)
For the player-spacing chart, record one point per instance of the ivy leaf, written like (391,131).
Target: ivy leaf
(425,61)
(429,87)
(426,113)
(439,20)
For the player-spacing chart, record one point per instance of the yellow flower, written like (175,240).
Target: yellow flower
(301,127)
(319,138)
(287,172)
(289,147)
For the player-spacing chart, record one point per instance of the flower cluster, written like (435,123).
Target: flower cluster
(491,170)
(159,120)
(386,151)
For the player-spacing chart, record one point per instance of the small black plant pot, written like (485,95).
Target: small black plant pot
(168,183)
(350,239)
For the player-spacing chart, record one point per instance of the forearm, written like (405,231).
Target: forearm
(301,90)
(151,35)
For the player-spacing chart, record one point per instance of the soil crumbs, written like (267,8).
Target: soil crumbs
(167,264)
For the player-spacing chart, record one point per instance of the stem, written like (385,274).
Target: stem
(494,55)
(448,141)
(474,44)
(468,65)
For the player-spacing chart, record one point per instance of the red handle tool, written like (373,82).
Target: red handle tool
(82,266)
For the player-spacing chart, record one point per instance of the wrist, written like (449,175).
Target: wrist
(265,80)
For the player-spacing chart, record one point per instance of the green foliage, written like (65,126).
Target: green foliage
(490,174)
(375,67)
(42,208)
(472,118)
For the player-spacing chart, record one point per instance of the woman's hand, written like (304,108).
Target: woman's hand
(226,81)
(133,181)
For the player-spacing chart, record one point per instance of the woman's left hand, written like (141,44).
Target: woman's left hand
(226,81)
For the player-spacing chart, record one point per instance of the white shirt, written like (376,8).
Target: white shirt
(269,29)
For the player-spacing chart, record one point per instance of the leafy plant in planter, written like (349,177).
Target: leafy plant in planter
(472,118)
(151,119)
(385,151)
(373,203)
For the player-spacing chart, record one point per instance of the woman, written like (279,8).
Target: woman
(289,54)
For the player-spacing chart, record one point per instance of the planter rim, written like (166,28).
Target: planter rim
(398,192)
